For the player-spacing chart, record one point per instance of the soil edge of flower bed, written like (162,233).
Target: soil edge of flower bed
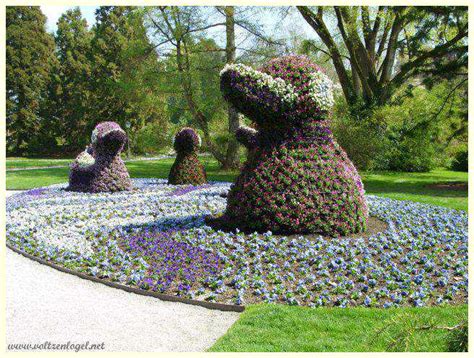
(161,296)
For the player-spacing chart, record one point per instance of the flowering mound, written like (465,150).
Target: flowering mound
(187,169)
(420,259)
(298,179)
(99,168)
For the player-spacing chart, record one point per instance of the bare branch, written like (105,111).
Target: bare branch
(317,23)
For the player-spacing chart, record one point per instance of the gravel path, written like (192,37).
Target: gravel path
(44,304)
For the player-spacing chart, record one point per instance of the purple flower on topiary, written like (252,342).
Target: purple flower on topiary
(247,136)
(186,140)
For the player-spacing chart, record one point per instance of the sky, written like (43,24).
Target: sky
(54,12)
(269,18)
(271,22)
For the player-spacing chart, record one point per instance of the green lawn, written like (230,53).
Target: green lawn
(403,186)
(412,186)
(284,328)
(280,328)
(22,162)
(27,179)
(18,162)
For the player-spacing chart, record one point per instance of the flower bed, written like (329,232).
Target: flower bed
(155,238)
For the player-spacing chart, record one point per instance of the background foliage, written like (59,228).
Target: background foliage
(401,75)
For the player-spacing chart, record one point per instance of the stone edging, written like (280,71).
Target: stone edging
(161,296)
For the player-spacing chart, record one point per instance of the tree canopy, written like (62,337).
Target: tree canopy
(29,57)
(155,69)
(382,48)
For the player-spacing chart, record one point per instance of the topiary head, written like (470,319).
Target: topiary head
(284,92)
(108,138)
(186,141)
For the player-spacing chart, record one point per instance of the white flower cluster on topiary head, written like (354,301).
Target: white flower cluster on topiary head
(321,90)
(321,86)
(277,86)
(85,160)
(103,129)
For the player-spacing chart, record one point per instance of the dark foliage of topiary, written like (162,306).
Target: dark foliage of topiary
(298,179)
(99,168)
(187,169)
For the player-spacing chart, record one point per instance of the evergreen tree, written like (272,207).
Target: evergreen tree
(69,96)
(123,80)
(29,56)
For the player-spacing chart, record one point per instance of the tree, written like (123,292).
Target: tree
(29,56)
(232,155)
(174,26)
(67,105)
(177,30)
(381,49)
(122,84)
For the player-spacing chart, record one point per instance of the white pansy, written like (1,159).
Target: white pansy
(95,134)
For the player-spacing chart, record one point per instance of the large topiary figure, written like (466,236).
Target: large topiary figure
(187,169)
(99,168)
(297,179)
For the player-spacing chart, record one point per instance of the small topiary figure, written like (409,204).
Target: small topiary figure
(99,168)
(187,169)
(297,178)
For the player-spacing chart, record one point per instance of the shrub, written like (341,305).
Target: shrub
(153,138)
(460,161)
(410,135)
(297,179)
(362,138)
(187,169)
(413,134)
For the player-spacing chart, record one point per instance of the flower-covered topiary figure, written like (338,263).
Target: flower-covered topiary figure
(298,179)
(187,169)
(99,168)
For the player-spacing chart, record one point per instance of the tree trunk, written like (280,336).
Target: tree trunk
(199,117)
(232,160)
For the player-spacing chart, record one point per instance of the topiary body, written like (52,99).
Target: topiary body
(298,179)
(99,168)
(187,169)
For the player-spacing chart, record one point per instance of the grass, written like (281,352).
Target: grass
(280,328)
(20,163)
(413,186)
(285,328)
(28,179)
(395,185)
